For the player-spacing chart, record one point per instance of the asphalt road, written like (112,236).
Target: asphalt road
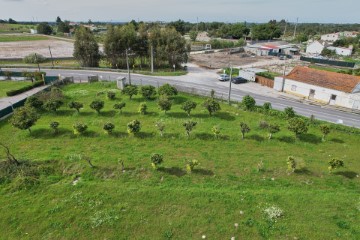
(202,81)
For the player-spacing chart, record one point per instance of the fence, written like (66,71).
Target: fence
(265,81)
(328,62)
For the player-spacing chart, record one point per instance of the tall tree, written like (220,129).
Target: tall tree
(86,49)
(44,28)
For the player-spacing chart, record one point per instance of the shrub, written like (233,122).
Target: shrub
(97,105)
(111,95)
(53,105)
(244,128)
(133,127)
(161,127)
(34,102)
(289,112)
(76,105)
(334,164)
(325,130)
(24,118)
(156,160)
(142,108)
(216,131)
(188,106)
(130,90)
(212,106)
(291,164)
(267,106)
(79,128)
(248,103)
(54,125)
(189,126)
(190,165)
(34,58)
(297,126)
(108,127)
(273,213)
(119,106)
(24,89)
(164,103)
(148,92)
(167,90)
(272,129)
(263,125)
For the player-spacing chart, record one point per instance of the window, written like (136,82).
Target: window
(293,88)
(333,97)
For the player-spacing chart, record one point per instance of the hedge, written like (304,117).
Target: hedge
(24,89)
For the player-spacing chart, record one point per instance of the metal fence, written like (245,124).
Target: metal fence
(328,62)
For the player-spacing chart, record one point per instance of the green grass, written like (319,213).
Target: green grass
(16,28)
(18,38)
(11,85)
(169,203)
(330,69)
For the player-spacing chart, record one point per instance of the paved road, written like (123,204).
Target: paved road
(202,81)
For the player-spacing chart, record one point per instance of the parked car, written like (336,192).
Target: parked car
(224,77)
(238,80)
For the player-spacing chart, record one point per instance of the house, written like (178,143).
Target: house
(272,48)
(332,37)
(316,47)
(342,50)
(322,86)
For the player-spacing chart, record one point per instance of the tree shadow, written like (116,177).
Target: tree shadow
(204,136)
(178,115)
(65,112)
(310,138)
(336,140)
(203,172)
(171,135)
(144,135)
(347,174)
(256,137)
(88,134)
(175,171)
(84,114)
(303,171)
(153,114)
(224,137)
(119,134)
(225,116)
(47,133)
(111,113)
(287,139)
(179,99)
(200,115)
(128,114)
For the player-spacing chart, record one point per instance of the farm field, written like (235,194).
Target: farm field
(241,188)
(15,28)
(19,38)
(11,85)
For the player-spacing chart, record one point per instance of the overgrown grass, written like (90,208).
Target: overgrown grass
(11,85)
(230,185)
(18,38)
(15,28)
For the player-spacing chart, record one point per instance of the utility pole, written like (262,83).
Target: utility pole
(52,60)
(152,58)
(230,84)
(127,64)
(36,59)
(297,20)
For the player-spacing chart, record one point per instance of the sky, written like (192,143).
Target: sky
(320,11)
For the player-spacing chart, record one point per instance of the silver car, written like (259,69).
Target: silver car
(223,77)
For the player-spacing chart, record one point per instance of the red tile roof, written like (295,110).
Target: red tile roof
(332,80)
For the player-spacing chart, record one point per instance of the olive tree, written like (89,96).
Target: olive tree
(79,128)
(133,127)
(244,128)
(248,103)
(325,130)
(108,127)
(335,163)
(190,165)
(53,104)
(272,129)
(97,105)
(291,164)
(160,125)
(54,126)
(34,102)
(75,105)
(212,106)
(148,92)
(24,118)
(156,160)
(167,90)
(216,131)
(297,126)
(119,106)
(164,103)
(289,113)
(188,106)
(142,108)
(189,126)
(130,90)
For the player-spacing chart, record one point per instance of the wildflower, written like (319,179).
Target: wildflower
(236,225)
(241,212)
(203,236)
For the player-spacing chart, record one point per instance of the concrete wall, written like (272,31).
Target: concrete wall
(341,51)
(314,48)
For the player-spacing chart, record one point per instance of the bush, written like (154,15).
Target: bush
(297,126)
(263,125)
(161,127)
(148,92)
(325,130)
(291,164)
(34,102)
(272,129)
(289,112)
(164,103)
(216,131)
(168,90)
(244,128)
(211,105)
(142,108)
(79,128)
(267,106)
(334,164)
(54,125)
(188,106)
(248,103)
(75,105)
(24,89)
(97,105)
(24,118)
(133,127)
(111,95)
(53,105)
(34,58)
(189,126)
(108,127)
(130,90)
(119,106)
(191,165)
(156,160)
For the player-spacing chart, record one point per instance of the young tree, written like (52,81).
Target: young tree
(86,49)
(325,129)
(291,163)
(272,129)
(97,105)
(212,106)
(167,90)
(190,165)
(130,90)
(119,106)
(188,106)
(156,160)
(53,105)
(111,95)
(193,35)
(34,102)
(297,126)
(44,28)
(79,128)
(75,105)
(160,125)
(189,126)
(142,108)
(267,106)
(148,92)
(133,127)
(248,103)
(216,131)
(54,126)
(24,118)
(289,112)
(164,103)
(335,163)
(244,128)
(108,127)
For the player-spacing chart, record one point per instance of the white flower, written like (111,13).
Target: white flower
(241,212)
(232,238)
(272,179)
(273,212)
(203,236)
(236,225)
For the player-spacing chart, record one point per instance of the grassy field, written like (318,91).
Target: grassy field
(11,85)
(15,28)
(18,38)
(225,191)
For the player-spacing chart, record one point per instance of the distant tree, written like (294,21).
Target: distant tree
(58,20)
(63,27)
(12,21)
(297,126)
(189,126)
(325,130)
(212,106)
(148,92)
(167,90)
(133,127)
(188,106)
(130,90)
(53,104)
(34,58)
(265,31)
(164,103)
(108,127)
(24,118)
(142,108)
(97,105)
(193,35)
(119,106)
(272,129)
(248,103)
(8,75)
(86,49)
(179,25)
(244,128)
(54,125)
(238,30)
(75,105)
(156,160)
(79,128)
(160,125)
(44,28)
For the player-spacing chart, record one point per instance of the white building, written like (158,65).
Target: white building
(332,37)
(33,31)
(250,73)
(322,86)
(316,47)
(342,51)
